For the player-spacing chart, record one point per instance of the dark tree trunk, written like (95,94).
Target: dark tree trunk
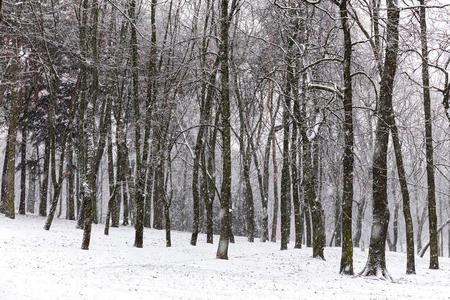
(44,186)
(307,222)
(158,202)
(359,220)
(94,165)
(348,161)
(167,223)
(211,181)
(318,226)
(376,262)
(315,206)
(112,185)
(249,204)
(285,191)
(140,160)
(70,210)
(432,218)
(57,182)
(11,156)
(31,197)
(151,99)
(23,161)
(195,184)
(4,179)
(338,221)
(298,220)
(149,192)
(409,230)
(225,198)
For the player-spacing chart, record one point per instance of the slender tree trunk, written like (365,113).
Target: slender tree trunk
(348,161)
(4,179)
(285,192)
(338,220)
(211,181)
(23,161)
(315,205)
(318,226)
(158,202)
(249,203)
(11,155)
(82,145)
(295,177)
(409,230)
(140,170)
(307,222)
(112,185)
(359,221)
(431,195)
(92,175)
(44,186)
(31,199)
(273,236)
(167,221)
(225,198)
(151,99)
(70,210)
(393,246)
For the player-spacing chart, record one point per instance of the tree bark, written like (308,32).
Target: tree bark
(432,218)
(285,191)
(4,179)
(348,161)
(23,160)
(31,199)
(376,262)
(44,186)
(11,155)
(359,221)
(225,198)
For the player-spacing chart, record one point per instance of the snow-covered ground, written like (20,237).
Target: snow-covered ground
(36,264)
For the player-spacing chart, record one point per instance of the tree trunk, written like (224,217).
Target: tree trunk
(4,179)
(338,220)
(307,222)
(23,161)
(112,185)
(167,221)
(409,230)
(31,199)
(314,204)
(359,221)
(225,198)
(285,191)
(140,169)
(11,155)
(92,175)
(44,186)
(273,236)
(70,210)
(376,262)
(348,161)
(432,218)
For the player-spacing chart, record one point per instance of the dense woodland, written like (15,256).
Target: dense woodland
(311,123)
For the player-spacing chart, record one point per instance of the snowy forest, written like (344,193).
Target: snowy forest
(320,125)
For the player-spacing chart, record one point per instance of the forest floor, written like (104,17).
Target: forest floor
(36,264)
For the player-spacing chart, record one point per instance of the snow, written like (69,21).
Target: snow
(36,264)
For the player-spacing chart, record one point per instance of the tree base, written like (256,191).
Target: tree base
(377,271)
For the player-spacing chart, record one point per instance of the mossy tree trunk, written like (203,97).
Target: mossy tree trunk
(348,161)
